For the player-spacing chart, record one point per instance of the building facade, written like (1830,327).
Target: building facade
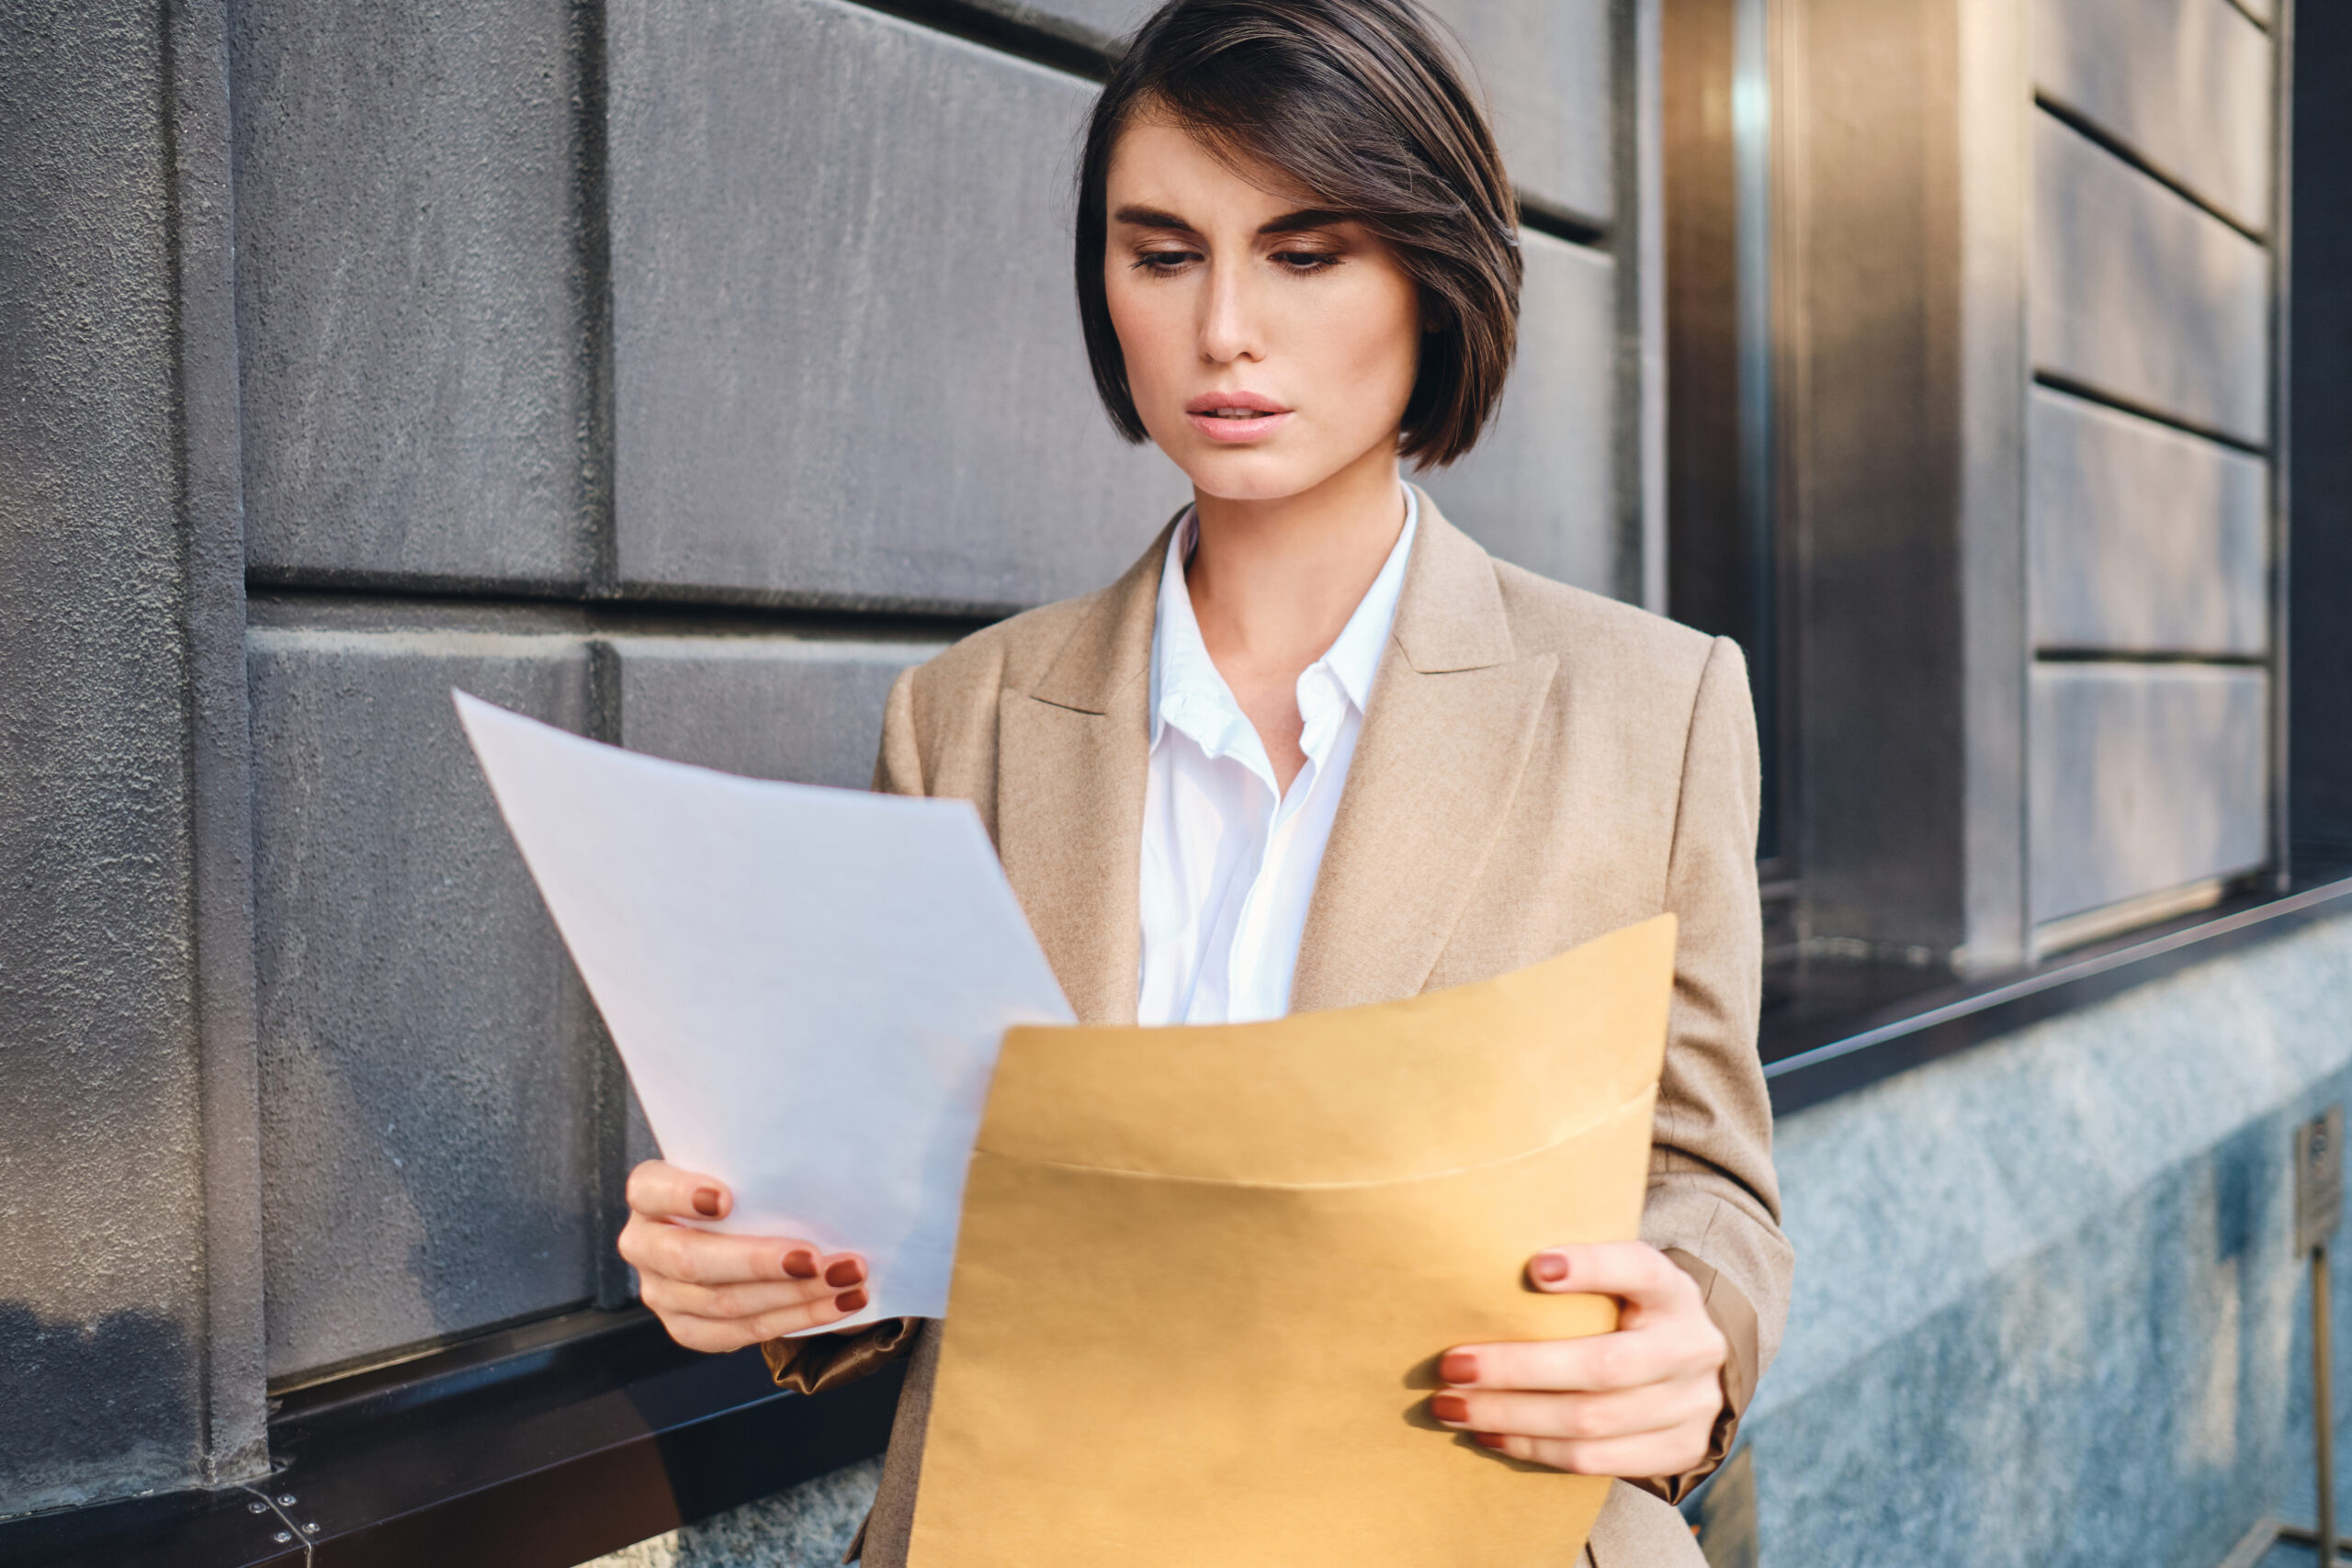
(678,373)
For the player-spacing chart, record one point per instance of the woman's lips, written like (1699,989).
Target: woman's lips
(1235,417)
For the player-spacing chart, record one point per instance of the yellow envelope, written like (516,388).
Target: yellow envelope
(1205,1275)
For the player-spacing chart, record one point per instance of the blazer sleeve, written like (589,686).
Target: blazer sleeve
(816,1362)
(1714,1205)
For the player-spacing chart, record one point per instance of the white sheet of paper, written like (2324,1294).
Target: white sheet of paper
(808,985)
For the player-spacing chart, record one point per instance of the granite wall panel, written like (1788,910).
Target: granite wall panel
(847,362)
(2138,294)
(2185,84)
(2144,777)
(2046,1303)
(429,1075)
(2144,539)
(1539,488)
(804,709)
(410,293)
(1544,68)
(102,1262)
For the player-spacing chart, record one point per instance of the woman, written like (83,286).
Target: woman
(1317,749)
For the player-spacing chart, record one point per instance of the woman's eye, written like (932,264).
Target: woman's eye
(1306,260)
(1164,261)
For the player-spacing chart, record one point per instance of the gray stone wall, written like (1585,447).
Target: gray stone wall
(675,373)
(2148,289)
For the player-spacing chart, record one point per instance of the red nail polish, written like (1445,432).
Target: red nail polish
(1549,1267)
(800,1265)
(850,1301)
(1450,1407)
(848,1272)
(1458,1366)
(1489,1439)
(706,1202)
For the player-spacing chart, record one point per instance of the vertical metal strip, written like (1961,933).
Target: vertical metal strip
(213,502)
(1637,247)
(2282,147)
(610,1098)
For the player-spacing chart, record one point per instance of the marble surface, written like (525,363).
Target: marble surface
(2046,1310)
(808,1526)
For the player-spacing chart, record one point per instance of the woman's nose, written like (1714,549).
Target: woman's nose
(1229,329)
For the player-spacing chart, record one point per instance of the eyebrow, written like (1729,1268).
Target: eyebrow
(1306,217)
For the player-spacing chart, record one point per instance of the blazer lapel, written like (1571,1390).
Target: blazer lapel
(1072,759)
(1445,740)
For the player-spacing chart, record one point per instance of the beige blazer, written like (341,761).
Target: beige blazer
(1539,766)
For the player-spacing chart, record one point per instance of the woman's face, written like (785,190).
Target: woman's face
(1269,345)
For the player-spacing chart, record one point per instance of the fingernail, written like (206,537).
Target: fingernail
(1458,1366)
(706,1202)
(1549,1267)
(850,1301)
(1450,1407)
(800,1265)
(1489,1439)
(848,1272)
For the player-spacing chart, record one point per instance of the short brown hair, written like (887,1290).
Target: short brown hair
(1357,101)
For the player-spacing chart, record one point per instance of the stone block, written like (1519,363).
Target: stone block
(2185,84)
(2137,293)
(2144,539)
(411,294)
(1544,67)
(802,709)
(2144,777)
(429,1136)
(1539,490)
(848,368)
(103,1288)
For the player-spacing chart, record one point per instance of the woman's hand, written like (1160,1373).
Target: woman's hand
(1639,1403)
(722,1292)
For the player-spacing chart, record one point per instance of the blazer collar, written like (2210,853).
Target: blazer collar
(1450,615)
(1445,742)
(1073,755)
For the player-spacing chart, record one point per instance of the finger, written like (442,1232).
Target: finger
(661,1191)
(816,1315)
(1633,1271)
(704,1257)
(1634,1459)
(1585,1417)
(667,1296)
(1627,1359)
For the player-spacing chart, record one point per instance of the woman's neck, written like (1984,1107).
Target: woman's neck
(1273,582)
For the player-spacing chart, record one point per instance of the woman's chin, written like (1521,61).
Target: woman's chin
(1250,473)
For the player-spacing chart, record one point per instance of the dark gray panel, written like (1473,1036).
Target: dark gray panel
(2184,83)
(1543,64)
(2144,539)
(847,360)
(429,1156)
(2145,777)
(769,707)
(102,1305)
(1537,490)
(2138,294)
(409,290)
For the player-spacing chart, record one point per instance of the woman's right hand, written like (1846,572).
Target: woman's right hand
(722,1292)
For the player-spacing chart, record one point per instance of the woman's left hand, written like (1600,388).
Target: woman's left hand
(1639,1403)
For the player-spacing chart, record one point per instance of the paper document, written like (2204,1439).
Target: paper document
(1206,1274)
(808,985)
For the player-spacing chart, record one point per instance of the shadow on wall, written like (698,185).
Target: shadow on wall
(63,1445)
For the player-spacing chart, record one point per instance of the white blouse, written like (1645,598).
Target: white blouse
(1230,862)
